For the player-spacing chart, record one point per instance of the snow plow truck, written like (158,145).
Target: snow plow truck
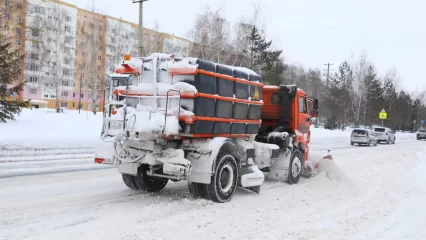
(215,126)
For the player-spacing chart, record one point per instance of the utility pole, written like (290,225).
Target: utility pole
(140,39)
(328,72)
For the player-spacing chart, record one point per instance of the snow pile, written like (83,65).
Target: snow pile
(152,122)
(183,66)
(421,169)
(162,88)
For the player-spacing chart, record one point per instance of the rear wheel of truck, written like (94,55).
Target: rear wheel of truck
(129,181)
(224,181)
(147,183)
(295,167)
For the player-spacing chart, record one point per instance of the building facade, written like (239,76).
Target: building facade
(70,52)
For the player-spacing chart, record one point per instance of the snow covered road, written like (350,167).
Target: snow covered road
(381,195)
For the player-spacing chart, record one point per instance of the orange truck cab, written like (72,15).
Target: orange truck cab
(286,109)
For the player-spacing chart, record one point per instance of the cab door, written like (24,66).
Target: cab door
(303,124)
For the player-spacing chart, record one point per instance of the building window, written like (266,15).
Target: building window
(83,55)
(73,94)
(6,40)
(34,56)
(33,79)
(46,96)
(67,29)
(19,6)
(35,32)
(18,30)
(35,44)
(64,83)
(34,67)
(17,53)
(33,91)
(67,51)
(64,104)
(99,68)
(68,18)
(52,96)
(67,61)
(19,19)
(66,72)
(99,57)
(82,95)
(67,40)
(18,41)
(6,27)
(113,40)
(7,3)
(64,94)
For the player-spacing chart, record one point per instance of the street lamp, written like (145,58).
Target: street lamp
(140,39)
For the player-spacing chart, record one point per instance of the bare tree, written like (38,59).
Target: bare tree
(52,49)
(359,94)
(91,32)
(211,35)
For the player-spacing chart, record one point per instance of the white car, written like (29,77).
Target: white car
(363,136)
(385,134)
(421,134)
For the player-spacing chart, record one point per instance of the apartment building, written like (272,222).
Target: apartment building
(12,30)
(70,52)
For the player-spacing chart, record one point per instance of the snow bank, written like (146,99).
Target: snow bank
(45,128)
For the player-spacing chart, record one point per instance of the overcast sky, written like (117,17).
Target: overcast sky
(311,32)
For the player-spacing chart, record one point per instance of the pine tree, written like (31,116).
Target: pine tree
(9,71)
(267,62)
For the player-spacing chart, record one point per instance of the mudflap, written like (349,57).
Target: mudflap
(280,168)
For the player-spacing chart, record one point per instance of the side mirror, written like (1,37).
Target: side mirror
(315,104)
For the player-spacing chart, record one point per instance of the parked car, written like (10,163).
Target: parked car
(421,134)
(385,134)
(363,136)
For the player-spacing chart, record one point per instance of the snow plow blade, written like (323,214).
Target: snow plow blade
(313,165)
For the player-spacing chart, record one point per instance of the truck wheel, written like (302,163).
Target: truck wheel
(147,183)
(295,167)
(352,143)
(224,181)
(129,181)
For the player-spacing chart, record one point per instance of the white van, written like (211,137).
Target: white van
(363,136)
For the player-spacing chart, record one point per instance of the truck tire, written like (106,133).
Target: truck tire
(295,167)
(224,181)
(129,181)
(147,183)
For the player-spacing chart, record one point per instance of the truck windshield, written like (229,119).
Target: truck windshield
(379,130)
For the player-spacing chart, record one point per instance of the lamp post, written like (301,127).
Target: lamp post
(140,39)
